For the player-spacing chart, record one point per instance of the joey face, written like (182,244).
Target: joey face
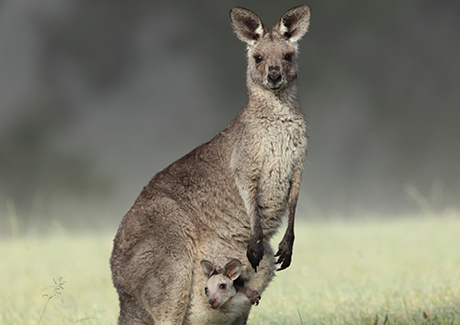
(219,289)
(272,62)
(219,286)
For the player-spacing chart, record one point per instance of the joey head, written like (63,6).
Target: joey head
(220,287)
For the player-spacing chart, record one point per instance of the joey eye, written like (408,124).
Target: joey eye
(222,286)
(258,58)
(206,290)
(288,57)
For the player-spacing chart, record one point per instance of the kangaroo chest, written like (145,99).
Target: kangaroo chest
(282,147)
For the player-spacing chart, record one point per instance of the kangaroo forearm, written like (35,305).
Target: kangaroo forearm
(252,295)
(292,205)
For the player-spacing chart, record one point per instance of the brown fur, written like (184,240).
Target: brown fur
(225,199)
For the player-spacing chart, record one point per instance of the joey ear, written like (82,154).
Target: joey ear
(246,25)
(232,269)
(208,268)
(294,23)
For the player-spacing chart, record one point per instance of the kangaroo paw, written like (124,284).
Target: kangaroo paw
(284,254)
(255,252)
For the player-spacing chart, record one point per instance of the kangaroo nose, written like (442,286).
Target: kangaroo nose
(213,302)
(274,77)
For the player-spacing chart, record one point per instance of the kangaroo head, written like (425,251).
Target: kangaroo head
(219,287)
(272,54)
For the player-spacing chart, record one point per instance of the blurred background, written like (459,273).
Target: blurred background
(96,96)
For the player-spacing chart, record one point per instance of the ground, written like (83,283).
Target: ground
(362,271)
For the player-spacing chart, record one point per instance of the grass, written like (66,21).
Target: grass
(28,267)
(404,271)
(59,286)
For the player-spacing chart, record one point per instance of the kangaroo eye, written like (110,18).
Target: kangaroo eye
(258,58)
(206,290)
(288,57)
(223,286)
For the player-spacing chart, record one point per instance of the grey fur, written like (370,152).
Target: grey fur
(225,199)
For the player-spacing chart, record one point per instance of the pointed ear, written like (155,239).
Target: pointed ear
(246,25)
(294,23)
(232,269)
(208,268)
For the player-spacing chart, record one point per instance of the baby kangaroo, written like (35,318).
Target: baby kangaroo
(221,288)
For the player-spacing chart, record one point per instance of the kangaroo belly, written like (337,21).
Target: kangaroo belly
(273,197)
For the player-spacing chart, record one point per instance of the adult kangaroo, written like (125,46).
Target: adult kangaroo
(225,199)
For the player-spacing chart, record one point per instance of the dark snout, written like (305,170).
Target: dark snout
(274,77)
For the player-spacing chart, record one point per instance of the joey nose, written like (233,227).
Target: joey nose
(213,303)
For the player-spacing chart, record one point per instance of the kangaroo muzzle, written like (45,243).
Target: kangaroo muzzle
(274,77)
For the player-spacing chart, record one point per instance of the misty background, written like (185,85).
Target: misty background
(96,96)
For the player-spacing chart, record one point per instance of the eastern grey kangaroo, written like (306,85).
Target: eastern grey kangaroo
(225,199)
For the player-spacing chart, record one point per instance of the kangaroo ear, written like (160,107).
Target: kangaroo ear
(208,268)
(294,23)
(232,269)
(246,25)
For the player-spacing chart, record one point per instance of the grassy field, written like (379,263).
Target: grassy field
(404,271)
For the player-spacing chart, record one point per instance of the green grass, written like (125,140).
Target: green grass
(27,270)
(364,272)
(403,271)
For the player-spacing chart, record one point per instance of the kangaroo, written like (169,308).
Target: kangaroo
(225,199)
(221,288)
